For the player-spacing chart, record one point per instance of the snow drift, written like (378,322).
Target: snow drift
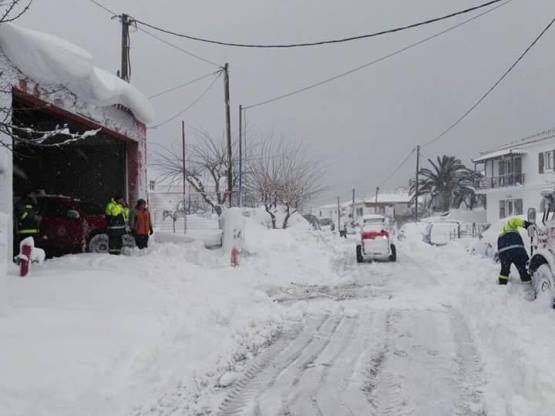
(48,59)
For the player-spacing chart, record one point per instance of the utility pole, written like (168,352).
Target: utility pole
(338,215)
(184,177)
(353,210)
(228,134)
(125,73)
(416,190)
(376,200)
(240,155)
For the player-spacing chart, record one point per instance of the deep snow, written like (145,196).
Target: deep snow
(171,330)
(51,60)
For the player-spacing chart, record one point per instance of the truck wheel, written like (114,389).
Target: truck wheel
(360,259)
(99,244)
(393,256)
(542,280)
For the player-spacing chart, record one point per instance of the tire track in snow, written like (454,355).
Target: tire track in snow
(429,366)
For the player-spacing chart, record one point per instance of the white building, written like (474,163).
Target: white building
(515,174)
(392,204)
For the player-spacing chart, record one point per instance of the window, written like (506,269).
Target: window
(546,161)
(359,212)
(509,207)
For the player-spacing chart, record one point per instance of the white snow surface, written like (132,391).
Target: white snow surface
(48,59)
(163,332)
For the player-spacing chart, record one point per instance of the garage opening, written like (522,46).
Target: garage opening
(92,170)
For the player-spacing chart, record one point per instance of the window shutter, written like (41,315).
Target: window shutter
(540,162)
(553,159)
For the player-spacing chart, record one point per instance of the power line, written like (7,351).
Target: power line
(179,113)
(113,13)
(374,62)
(321,42)
(152,35)
(179,48)
(398,168)
(182,85)
(490,90)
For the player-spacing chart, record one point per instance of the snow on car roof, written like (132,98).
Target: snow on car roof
(373,217)
(49,59)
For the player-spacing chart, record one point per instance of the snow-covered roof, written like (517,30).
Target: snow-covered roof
(48,59)
(499,153)
(391,198)
(516,145)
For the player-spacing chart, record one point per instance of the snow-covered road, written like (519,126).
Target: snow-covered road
(298,329)
(366,357)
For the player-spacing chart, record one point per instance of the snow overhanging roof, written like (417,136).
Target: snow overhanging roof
(48,59)
(499,153)
(385,198)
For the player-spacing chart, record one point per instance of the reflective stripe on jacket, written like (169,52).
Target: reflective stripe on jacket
(510,238)
(116,215)
(27,222)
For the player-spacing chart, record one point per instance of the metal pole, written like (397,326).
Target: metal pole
(184,177)
(338,215)
(376,200)
(240,155)
(353,210)
(228,134)
(416,190)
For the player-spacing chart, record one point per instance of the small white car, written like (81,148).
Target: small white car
(375,240)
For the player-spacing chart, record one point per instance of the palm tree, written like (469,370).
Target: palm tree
(448,183)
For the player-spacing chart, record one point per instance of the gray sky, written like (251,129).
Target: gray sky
(361,126)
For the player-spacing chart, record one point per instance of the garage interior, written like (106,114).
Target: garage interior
(92,169)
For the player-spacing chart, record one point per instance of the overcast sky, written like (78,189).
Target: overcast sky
(362,125)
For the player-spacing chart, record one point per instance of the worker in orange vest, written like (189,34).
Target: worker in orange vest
(141,224)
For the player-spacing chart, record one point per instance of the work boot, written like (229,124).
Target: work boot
(503,280)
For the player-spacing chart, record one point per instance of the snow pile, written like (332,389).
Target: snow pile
(50,60)
(515,336)
(120,335)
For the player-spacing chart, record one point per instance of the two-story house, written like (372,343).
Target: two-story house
(513,175)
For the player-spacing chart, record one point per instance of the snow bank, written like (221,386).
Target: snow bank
(50,60)
(120,335)
(515,337)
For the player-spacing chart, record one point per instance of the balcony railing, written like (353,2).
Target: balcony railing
(513,179)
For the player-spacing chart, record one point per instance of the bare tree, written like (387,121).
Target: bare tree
(283,176)
(206,168)
(264,177)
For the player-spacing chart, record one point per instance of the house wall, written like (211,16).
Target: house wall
(534,182)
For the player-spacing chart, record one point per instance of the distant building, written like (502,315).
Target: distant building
(514,174)
(392,204)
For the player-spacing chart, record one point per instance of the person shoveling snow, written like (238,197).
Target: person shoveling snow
(511,250)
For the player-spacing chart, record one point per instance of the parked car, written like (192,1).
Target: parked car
(375,240)
(439,233)
(313,220)
(542,262)
(327,224)
(69,226)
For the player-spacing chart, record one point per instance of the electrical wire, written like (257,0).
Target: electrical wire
(320,42)
(152,35)
(397,169)
(113,13)
(490,90)
(182,85)
(179,113)
(375,61)
(179,48)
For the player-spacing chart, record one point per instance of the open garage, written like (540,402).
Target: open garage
(91,169)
